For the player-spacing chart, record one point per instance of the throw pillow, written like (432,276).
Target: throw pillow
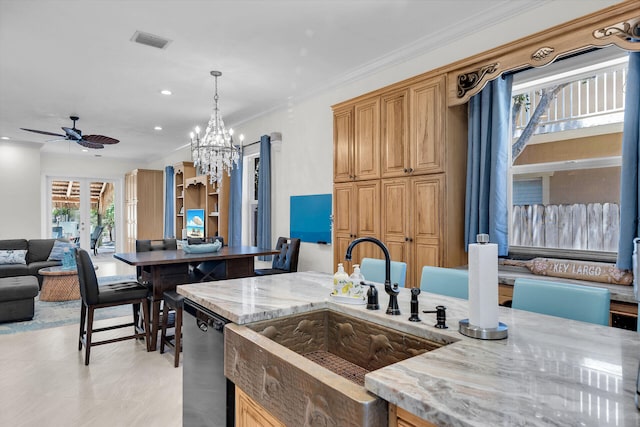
(59,247)
(13,256)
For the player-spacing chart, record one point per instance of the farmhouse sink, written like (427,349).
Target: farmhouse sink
(309,369)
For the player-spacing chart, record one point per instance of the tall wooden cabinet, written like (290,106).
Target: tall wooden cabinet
(419,188)
(144,206)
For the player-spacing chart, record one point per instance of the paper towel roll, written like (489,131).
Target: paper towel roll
(483,285)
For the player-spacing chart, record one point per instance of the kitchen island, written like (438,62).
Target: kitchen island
(549,371)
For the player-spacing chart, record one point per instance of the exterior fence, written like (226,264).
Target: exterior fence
(594,226)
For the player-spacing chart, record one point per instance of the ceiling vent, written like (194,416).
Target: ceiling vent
(150,40)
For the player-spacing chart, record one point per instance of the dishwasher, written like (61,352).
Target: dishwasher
(208,397)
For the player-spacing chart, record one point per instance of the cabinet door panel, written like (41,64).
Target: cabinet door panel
(367,140)
(343,145)
(394,132)
(426,126)
(368,208)
(343,203)
(424,255)
(427,205)
(395,209)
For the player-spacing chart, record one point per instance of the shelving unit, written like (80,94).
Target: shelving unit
(182,171)
(196,192)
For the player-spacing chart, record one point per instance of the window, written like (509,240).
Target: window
(566,154)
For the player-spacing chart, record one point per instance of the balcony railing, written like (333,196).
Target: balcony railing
(590,101)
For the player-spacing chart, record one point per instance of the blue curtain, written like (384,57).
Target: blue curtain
(629,183)
(235,204)
(169,203)
(264,196)
(486,209)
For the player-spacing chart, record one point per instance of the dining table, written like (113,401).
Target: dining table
(163,270)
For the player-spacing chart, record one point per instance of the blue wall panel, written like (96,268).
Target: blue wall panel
(310,218)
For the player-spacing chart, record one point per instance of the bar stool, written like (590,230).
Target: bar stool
(172,301)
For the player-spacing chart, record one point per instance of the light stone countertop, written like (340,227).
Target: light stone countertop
(549,371)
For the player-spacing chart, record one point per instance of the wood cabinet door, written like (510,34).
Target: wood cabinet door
(396,218)
(426,125)
(367,139)
(344,227)
(343,145)
(394,123)
(398,417)
(250,413)
(367,198)
(427,216)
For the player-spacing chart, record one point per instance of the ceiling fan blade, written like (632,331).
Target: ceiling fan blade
(100,139)
(44,132)
(89,144)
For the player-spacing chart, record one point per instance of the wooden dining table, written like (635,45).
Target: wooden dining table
(166,269)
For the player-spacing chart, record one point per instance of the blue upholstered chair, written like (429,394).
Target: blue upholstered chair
(445,281)
(585,303)
(373,271)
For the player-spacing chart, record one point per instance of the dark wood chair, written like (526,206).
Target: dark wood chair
(172,302)
(207,270)
(286,261)
(144,275)
(96,297)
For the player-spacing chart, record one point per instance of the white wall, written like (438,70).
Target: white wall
(19,191)
(304,163)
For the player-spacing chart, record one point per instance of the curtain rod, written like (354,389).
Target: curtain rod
(249,145)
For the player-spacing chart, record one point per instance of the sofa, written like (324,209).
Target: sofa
(38,251)
(20,282)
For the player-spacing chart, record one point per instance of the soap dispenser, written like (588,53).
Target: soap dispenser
(340,280)
(356,279)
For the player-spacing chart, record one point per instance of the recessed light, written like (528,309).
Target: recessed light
(84,150)
(4,137)
(165,92)
(158,128)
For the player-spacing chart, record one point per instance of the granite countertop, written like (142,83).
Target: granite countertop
(549,371)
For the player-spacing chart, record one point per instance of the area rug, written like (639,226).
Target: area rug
(52,314)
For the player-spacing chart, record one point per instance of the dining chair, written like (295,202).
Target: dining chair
(172,301)
(207,270)
(95,235)
(143,275)
(373,270)
(577,302)
(445,281)
(284,262)
(94,297)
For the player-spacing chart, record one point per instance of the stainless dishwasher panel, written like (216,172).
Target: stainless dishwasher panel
(207,396)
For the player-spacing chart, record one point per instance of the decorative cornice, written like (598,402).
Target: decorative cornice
(542,53)
(470,80)
(625,30)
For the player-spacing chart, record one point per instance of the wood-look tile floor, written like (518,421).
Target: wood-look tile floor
(44,382)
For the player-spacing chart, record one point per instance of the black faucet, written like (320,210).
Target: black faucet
(392,291)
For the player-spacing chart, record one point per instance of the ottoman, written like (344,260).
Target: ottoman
(16,297)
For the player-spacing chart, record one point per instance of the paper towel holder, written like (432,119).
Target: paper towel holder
(465,328)
(499,333)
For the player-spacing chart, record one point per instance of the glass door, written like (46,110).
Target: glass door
(82,210)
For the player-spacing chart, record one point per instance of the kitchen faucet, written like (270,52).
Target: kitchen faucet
(392,291)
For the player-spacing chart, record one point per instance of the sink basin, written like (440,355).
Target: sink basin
(308,369)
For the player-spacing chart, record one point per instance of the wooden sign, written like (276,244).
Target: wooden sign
(570,269)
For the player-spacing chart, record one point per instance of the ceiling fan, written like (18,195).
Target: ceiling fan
(73,134)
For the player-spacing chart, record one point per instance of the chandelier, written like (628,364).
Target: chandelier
(214,153)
